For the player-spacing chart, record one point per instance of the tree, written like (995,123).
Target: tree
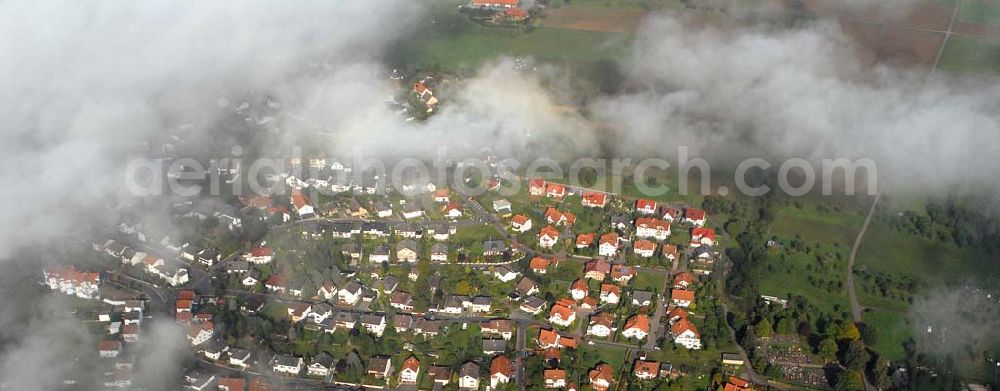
(868,334)
(763,329)
(848,331)
(850,381)
(827,349)
(853,355)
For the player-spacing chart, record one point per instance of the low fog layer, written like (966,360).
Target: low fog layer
(88,85)
(803,93)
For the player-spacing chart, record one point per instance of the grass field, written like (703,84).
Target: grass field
(935,263)
(971,55)
(980,11)
(650,281)
(817,227)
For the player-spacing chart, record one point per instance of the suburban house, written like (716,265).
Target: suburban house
(350,294)
(592,199)
(406,251)
(646,370)
(412,211)
(379,254)
(327,290)
(526,287)
(439,252)
(468,373)
(402,322)
(278,283)
(239,357)
(555,190)
(533,305)
(556,217)
(380,367)
(321,365)
(494,346)
(539,265)
(649,227)
(520,223)
(622,274)
(608,245)
(301,204)
(109,348)
(601,324)
(383,209)
(401,301)
(501,371)
(200,333)
(601,377)
(682,297)
(453,210)
(584,240)
(596,269)
(645,206)
(683,280)
(676,314)
(66,279)
(536,187)
(374,323)
(610,293)
(441,374)
(410,370)
(644,248)
(502,207)
(481,304)
(636,327)
(287,364)
(579,289)
(642,298)
(671,214)
(561,315)
(504,274)
(554,378)
(702,236)
(548,237)
(260,255)
(670,251)
(501,327)
(442,196)
(298,311)
(694,217)
(685,334)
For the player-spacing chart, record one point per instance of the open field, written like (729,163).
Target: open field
(814,226)
(980,11)
(887,251)
(971,55)
(595,18)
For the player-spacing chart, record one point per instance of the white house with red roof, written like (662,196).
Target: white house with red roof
(645,206)
(68,280)
(593,199)
(701,236)
(548,237)
(636,327)
(410,371)
(608,246)
(520,223)
(259,255)
(579,289)
(610,293)
(453,210)
(644,248)
(671,214)
(555,190)
(649,227)
(686,334)
(536,187)
(681,297)
(694,217)
(301,204)
(200,333)
(561,315)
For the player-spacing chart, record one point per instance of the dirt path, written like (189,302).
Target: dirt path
(851,292)
(944,41)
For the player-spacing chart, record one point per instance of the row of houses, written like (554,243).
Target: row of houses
(170,272)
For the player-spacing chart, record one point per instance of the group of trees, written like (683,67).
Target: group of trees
(964,222)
